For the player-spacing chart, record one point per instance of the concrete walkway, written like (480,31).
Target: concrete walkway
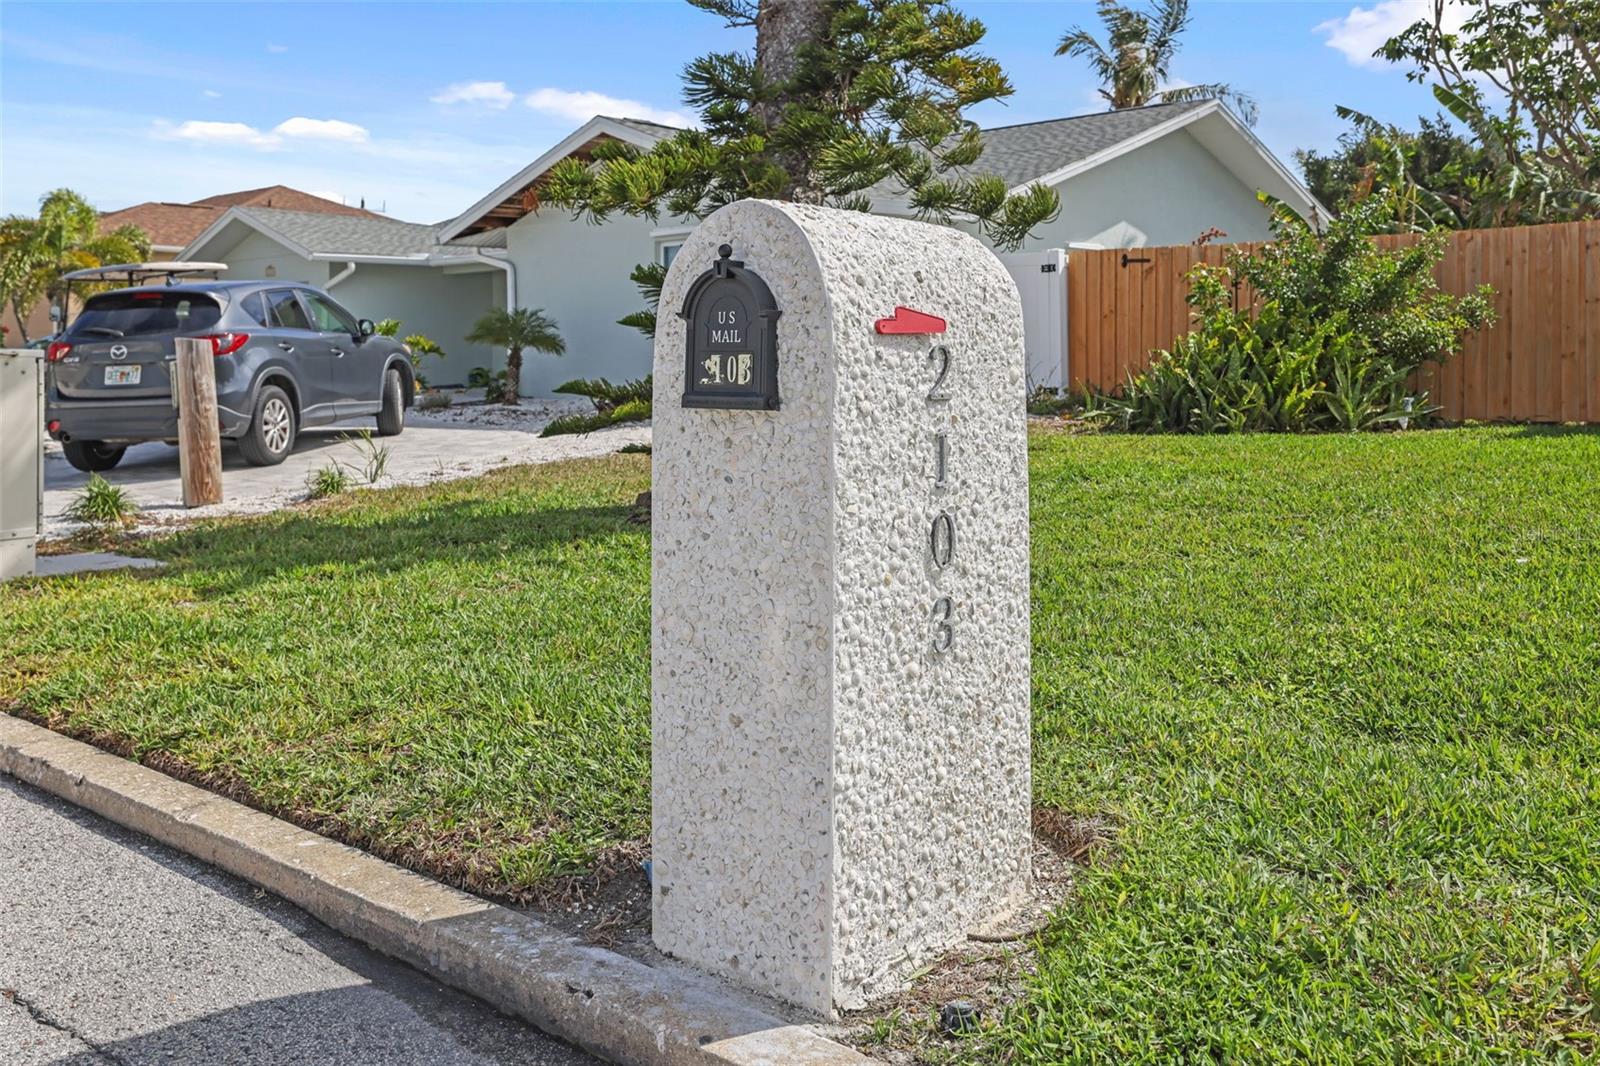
(435,446)
(117,950)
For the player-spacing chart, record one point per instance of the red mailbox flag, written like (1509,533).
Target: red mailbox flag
(905,320)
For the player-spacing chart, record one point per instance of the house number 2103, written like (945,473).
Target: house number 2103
(942,531)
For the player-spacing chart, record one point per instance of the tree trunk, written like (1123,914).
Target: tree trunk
(513,382)
(783,28)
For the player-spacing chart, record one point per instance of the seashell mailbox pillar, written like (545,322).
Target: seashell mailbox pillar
(840,701)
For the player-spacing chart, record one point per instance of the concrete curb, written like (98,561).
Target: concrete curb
(615,1007)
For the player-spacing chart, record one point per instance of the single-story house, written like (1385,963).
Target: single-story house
(1155,175)
(378,268)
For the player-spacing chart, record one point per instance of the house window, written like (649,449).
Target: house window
(669,252)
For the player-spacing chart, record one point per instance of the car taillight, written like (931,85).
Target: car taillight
(227,343)
(58,350)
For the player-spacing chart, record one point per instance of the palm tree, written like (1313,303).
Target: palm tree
(514,331)
(1133,64)
(35,252)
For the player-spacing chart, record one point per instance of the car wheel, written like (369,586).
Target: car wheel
(271,435)
(92,456)
(392,415)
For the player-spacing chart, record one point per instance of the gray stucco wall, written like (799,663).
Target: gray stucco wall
(578,273)
(1168,192)
(250,258)
(426,300)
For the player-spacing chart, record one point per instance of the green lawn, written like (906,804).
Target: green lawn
(1341,696)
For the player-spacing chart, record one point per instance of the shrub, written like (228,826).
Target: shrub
(634,448)
(605,396)
(1338,329)
(330,480)
(102,505)
(613,404)
(479,377)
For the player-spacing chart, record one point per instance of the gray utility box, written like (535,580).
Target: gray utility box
(21,460)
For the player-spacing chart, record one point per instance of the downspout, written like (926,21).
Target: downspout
(511,275)
(511,280)
(349,268)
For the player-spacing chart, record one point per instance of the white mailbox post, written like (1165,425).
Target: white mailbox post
(840,701)
(21,460)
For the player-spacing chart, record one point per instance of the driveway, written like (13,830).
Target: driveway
(437,445)
(121,952)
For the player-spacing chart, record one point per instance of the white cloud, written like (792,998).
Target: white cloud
(336,197)
(277,49)
(482,93)
(211,94)
(321,129)
(297,128)
(581,106)
(217,133)
(1365,29)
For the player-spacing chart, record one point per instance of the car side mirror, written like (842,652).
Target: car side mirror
(366,327)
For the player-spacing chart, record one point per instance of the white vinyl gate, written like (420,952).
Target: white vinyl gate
(1041,279)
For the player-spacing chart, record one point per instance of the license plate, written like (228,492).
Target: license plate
(123,375)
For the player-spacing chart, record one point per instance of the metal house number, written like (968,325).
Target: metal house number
(942,531)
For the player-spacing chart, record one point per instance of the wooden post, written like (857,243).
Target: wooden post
(199,439)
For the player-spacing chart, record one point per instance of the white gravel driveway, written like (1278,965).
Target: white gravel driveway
(455,442)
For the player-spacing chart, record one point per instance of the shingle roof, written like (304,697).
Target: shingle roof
(168,224)
(1023,153)
(165,224)
(1030,150)
(349,234)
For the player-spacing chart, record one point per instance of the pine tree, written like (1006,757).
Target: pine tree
(842,98)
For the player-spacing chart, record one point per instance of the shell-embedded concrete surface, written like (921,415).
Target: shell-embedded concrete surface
(837,795)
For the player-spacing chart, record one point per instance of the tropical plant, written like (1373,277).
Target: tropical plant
(418,346)
(838,97)
(648,277)
(607,397)
(102,505)
(515,331)
(1339,328)
(628,402)
(1135,61)
(65,236)
(480,377)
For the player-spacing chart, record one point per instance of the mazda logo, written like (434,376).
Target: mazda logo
(119,351)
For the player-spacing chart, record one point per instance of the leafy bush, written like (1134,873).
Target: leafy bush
(632,411)
(102,505)
(1339,328)
(479,377)
(330,480)
(628,402)
(417,346)
(607,397)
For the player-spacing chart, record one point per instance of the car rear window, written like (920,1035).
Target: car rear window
(133,314)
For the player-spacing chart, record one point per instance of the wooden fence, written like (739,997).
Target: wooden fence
(1539,363)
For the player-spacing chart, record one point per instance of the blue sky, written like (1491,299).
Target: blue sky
(422,108)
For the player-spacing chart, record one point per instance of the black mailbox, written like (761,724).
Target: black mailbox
(732,347)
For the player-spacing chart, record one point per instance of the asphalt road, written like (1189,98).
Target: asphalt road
(117,950)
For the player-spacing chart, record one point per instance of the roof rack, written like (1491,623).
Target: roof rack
(138,273)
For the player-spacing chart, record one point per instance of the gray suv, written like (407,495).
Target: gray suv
(287,356)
